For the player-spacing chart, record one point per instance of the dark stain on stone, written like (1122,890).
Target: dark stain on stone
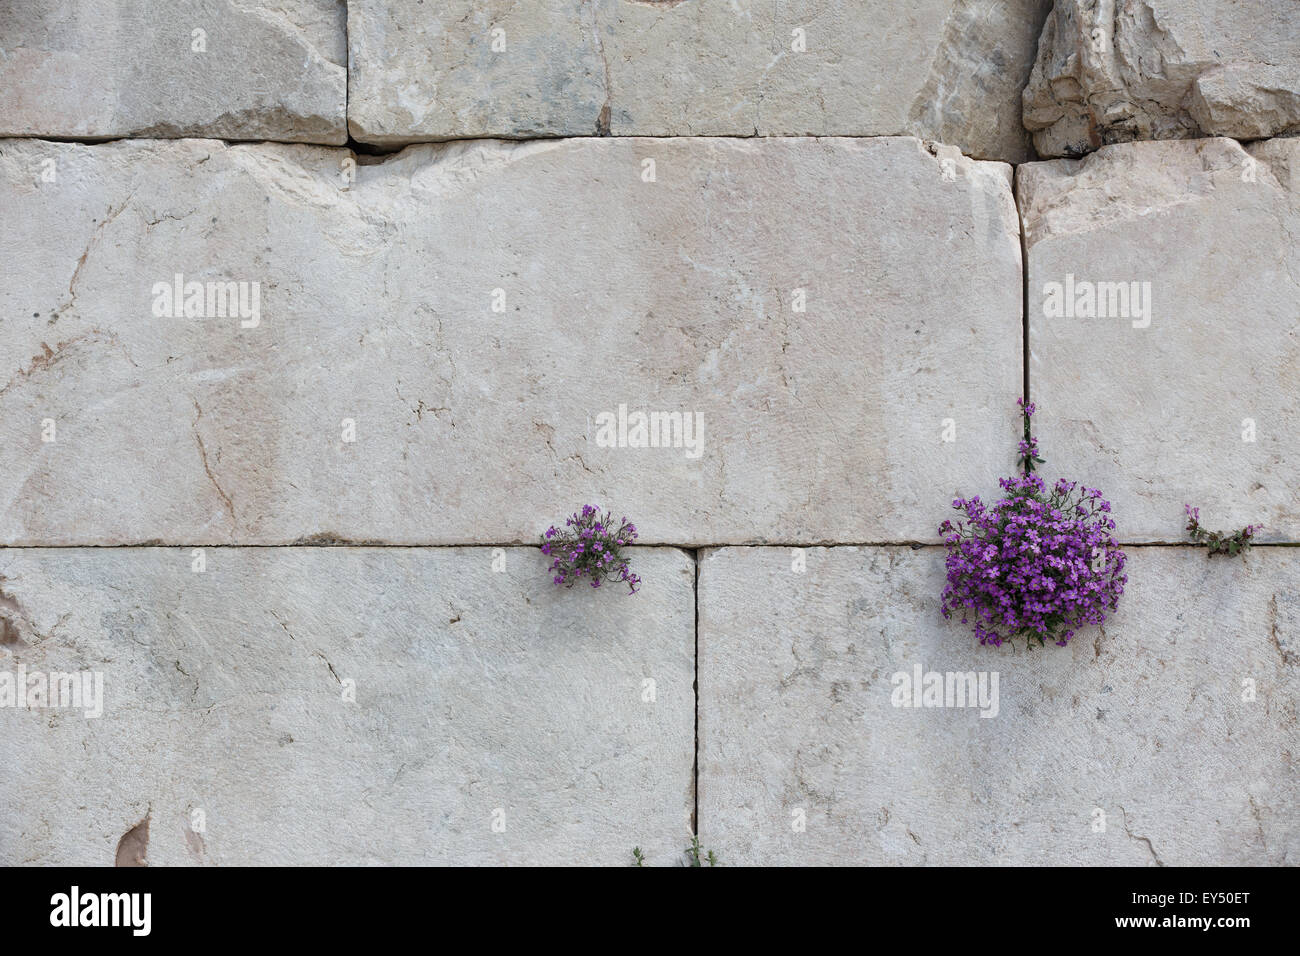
(133,848)
(9,634)
(48,357)
(1094,130)
(1287,657)
(124,625)
(194,841)
(329,539)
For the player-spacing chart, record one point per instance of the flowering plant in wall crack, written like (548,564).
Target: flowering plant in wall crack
(590,549)
(1216,542)
(696,855)
(1037,563)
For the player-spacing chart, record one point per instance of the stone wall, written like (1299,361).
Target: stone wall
(315,314)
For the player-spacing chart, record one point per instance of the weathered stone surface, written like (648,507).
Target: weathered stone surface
(476,691)
(949,70)
(271,69)
(1124,70)
(1159,416)
(474,426)
(1146,722)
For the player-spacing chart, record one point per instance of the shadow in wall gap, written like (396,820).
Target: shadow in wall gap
(374,154)
(693,550)
(106,140)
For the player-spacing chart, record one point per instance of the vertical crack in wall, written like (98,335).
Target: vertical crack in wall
(347,76)
(695,769)
(1024,287)
(603,118)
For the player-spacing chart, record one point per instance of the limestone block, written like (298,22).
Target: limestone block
(493,717)
(457,345)
(1131,746)
(1193,398)
(948,70)
(229,69)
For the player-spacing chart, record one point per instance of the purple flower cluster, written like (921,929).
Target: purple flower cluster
(1036,564)
(589,548)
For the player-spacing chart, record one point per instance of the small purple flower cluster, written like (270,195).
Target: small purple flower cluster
(1215,541)
(1028,456)
(1037,564)
(589,548)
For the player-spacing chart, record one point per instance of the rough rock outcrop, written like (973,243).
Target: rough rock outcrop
(1111,71)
